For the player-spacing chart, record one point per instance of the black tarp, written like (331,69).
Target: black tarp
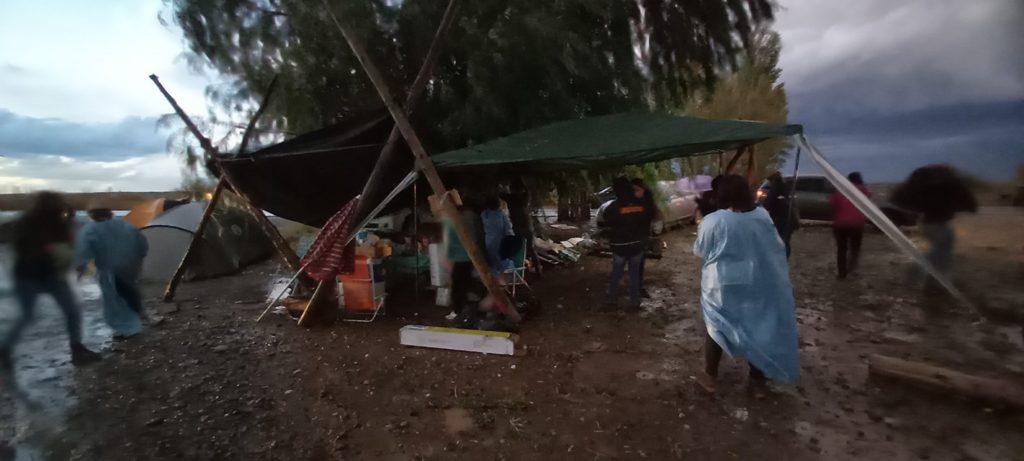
(310,177)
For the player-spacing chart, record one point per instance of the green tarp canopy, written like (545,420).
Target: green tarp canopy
(613,140)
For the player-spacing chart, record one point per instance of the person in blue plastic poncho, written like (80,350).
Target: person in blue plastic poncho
(117,248)
(746,294)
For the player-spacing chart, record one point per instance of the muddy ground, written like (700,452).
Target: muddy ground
(210,383)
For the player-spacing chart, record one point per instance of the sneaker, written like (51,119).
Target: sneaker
(451,316)
(81,356)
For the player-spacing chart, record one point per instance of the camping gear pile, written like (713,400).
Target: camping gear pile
(565,252)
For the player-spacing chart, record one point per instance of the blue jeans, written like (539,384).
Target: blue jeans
(940,242)
(619,264)
(27,290)
(941,239)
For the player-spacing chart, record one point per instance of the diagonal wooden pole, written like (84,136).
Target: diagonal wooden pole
(372,191)
(429,171)
(316,307)
(735,158)
(197,236)
(280,244)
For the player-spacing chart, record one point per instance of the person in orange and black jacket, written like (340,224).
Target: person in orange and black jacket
(628,219)
(648,197)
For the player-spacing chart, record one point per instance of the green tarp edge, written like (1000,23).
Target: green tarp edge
(619,139)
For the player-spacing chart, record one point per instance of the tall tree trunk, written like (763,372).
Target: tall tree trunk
(563,207)
(584,207)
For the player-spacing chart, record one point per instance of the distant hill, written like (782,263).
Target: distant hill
(112,200)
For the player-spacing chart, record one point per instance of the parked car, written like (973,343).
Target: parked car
(399,222)
(812,201)
(677,207)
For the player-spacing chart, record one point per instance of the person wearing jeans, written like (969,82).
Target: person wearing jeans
(941,239)
(628,219)
(649,202)
(43,254)
(848,227)
(619,265)
(938,193)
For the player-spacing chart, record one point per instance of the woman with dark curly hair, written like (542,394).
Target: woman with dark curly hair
(43,256)
(746,295)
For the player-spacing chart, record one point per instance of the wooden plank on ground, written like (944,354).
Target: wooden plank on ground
(457,339)
(945,380)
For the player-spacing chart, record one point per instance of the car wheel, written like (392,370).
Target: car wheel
(658,228)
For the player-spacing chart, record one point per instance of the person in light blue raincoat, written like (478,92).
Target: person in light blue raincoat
(746,295)
(117,248)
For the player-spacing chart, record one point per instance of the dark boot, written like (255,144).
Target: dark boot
(80,355)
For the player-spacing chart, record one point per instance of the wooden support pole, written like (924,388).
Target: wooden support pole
(280,244)
(751,165)
(735,158)
(325,292)
(372,190)
(172,285)
(203,140)
(429,171)
(247,134)
(947,381)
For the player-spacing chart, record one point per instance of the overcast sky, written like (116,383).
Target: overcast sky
(881,86)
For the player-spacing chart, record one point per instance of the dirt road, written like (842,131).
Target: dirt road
(209,383)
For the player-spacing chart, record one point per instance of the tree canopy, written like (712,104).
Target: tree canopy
(505,66)
(753,92)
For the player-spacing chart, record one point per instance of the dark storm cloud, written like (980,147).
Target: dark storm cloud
(134,136)
(884,86)
(884,56)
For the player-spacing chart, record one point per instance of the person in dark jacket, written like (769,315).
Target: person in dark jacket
(628,219)
(518,200)
(777,204)
(708,201)
(936,192)
(648,197)
(43,256)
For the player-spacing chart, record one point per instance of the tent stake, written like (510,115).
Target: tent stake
(172,285)
(447,208)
